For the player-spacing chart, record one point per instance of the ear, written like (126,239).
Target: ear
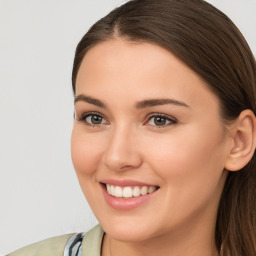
(243,141)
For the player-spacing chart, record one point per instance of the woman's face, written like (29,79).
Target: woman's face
(146,123)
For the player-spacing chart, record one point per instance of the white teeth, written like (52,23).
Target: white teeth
(144,191)
(151,189)
(109,189)
(112,190)
(136,191)
(118,192)
(128,192)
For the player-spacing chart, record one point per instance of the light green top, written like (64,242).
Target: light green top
(91,245)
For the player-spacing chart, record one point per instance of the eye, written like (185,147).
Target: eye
(93,119)
(161,120)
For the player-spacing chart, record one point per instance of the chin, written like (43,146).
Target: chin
(128,230)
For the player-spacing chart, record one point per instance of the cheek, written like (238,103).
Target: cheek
(191,168)
(188,158)
(86,154)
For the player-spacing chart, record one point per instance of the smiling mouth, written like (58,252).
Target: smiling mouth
(129,191)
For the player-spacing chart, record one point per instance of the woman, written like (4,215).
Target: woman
(164,134)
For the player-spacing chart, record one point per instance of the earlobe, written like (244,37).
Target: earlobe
(244,141)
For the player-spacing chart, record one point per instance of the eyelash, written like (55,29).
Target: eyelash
(86,115)
(171,120)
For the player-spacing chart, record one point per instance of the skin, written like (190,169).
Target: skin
(185,158)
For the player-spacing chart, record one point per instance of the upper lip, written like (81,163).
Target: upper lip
(124,183)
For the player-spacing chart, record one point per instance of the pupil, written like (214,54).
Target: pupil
(160,121)
(96,119)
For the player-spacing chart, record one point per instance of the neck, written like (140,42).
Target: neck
(116,248)
(191,241)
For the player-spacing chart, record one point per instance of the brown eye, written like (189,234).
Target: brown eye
(161,121)
(93,119)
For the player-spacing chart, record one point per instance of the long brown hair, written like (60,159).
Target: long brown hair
(209,43)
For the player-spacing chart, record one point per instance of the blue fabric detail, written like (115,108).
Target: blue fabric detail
(74,245)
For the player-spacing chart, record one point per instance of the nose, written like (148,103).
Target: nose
(122,151)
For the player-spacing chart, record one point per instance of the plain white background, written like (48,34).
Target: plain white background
(39,193)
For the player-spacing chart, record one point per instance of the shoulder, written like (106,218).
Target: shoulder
(52,246)
(89,243)
(92,241)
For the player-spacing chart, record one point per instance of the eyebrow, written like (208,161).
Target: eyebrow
(139,105)
(157,102)
(90,100)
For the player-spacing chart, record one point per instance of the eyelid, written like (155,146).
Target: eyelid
(173,120)
(84,115)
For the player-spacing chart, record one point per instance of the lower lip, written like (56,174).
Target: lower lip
(125,203)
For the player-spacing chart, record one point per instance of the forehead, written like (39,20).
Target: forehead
(122,55)
(132,69)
